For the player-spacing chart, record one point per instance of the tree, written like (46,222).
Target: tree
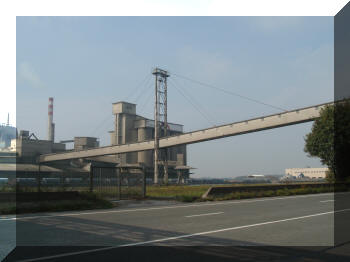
(329,139)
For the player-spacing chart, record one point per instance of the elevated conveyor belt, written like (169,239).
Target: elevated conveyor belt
(252,125)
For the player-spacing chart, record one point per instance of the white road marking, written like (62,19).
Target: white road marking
(324,201)
(207,214)
(183,236)
(216,203)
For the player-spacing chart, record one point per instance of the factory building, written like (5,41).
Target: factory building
(28,147)
(128,128)
(83,142)
(132,128)
(313,173)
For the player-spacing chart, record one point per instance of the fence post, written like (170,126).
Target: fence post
(62,181)
(143,182)
(39,178)
(119,182)
(91,178)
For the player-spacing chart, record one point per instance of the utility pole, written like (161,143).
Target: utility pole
(160,119)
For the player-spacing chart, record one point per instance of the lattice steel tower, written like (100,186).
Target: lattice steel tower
(160,122)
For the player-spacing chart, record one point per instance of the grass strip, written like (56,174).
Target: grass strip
(186,193)
(194,193)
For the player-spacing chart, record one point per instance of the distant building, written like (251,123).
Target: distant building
(7,133)
(256,176)
(313,173)
(28,147)
(252,179)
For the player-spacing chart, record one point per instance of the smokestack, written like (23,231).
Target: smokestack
(51,125)
(8,119)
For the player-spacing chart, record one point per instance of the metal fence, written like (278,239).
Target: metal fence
(107,182)
(49,182)
(118,183)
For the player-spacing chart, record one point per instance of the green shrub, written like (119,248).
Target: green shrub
(305,189)
(186,198)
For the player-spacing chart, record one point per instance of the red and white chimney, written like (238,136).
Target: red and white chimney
(51,125)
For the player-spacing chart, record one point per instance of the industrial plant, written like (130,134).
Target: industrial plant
(21,151)
(132,128)
(155,147)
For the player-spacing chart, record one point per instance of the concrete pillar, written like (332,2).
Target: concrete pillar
(184,148)
(141,136)
(145,157)
(117,128)
(179,176)
(180,159)
(123,129)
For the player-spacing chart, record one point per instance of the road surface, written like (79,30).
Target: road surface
(302,221)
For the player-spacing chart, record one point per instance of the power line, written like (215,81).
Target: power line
(193,100)
(146,86)
(134,90)
(204,116)
(143,107)
(103,122)
(229,92)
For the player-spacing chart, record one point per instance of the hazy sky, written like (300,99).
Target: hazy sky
(86,63)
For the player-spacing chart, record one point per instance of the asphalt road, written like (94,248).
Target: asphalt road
(302,221)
